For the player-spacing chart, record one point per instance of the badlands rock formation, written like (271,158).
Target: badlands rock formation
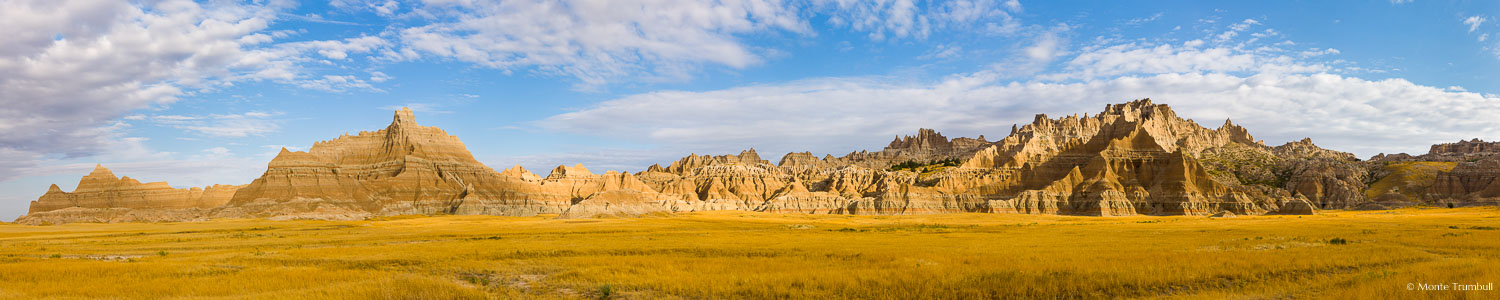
(1470,183)
(1132,158)
(102,197)
(1462,151)
(1465,175)
(405,168)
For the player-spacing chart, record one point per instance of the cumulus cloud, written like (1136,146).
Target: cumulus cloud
(70,68)
(53,81)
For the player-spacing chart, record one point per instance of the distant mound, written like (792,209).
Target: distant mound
(102,197)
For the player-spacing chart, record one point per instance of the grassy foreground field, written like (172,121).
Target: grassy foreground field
(1340,254)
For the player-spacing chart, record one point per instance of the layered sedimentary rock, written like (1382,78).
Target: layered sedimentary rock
(1461,151)
(1132,158)
(1469,183)
(102,197)
(1464,175)
(405,168)
(1328,179)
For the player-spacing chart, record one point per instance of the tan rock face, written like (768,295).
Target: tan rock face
(101,191)
(1469,183)
(1461,151)
(1133,158)
(405,168)
(1327,179)
(1297,207)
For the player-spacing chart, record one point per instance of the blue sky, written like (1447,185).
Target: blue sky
(197,93)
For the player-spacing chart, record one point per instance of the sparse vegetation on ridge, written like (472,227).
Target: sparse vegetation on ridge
(736,255)
(925,166)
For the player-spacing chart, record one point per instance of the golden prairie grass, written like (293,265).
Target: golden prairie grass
(754,255)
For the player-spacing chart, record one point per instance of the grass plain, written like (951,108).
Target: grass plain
(1337,254)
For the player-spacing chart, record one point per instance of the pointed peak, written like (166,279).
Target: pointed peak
(926,138)
(404,117)
(54,189)
(99,169)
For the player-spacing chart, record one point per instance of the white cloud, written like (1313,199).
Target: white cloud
(942,51)
(379,77)
(69,68)
(1131,58)
(57,98)
(659,40)
(899,19)
(1047,47)
(217,151)
(1318,52)
(386,8)
(1234,30)
(339,50)
(1401,1)
(1139,21)
(1474,22)
(339,83)
(223,125)
(598,42)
